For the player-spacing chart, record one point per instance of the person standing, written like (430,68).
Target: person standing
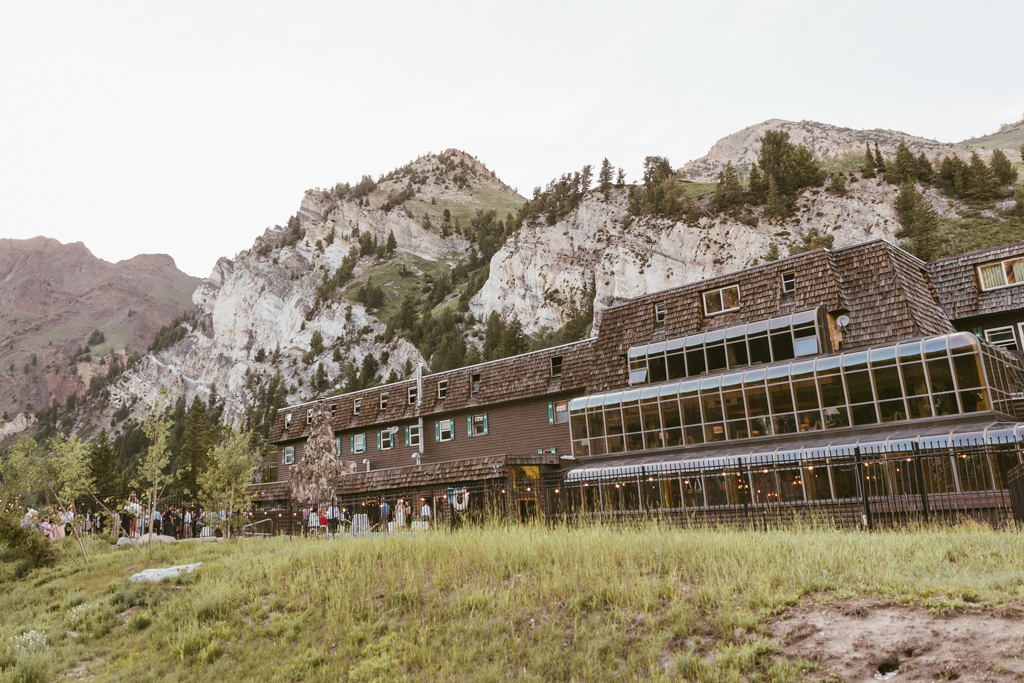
(333,515)
(400,514)
(385,512)
(425,513)
(187,520)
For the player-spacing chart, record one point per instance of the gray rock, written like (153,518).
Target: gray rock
(158,575)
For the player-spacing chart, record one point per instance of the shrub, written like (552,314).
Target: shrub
(23,548)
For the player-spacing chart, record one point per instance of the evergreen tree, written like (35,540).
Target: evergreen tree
(369,371)
(728,191)
(773,252)
(980,183)
(838,186)
(924,169)
(392,242)
(196,443)
(621,179)
(1018,197)
(1002,170)
(906,165)
(777,206)
(920,232)
(320,381)
(492,335)
(756,192)
(604,178)
(585,177)
(103,464)
(316,343)
(869,163)
(879,161)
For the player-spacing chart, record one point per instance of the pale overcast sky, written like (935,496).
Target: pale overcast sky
(188,127)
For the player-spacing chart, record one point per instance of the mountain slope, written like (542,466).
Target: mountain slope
(53,296)
(825,142)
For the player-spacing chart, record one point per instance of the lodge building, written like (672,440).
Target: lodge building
(793,385)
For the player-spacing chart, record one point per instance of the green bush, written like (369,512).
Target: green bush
(22,548)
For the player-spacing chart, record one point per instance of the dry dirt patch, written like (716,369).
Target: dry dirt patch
(864,639)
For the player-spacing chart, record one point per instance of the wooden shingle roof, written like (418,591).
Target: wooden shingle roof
(956,283)
(508,379)
(454,471)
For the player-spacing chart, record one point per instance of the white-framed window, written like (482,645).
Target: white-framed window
(1002,336)
(356,405)
(789,282)
(444,430)
(385,440)
(413,394)
(384,401)
(412,436)
(476,425)
(722,300)
(287,421)
(1002,274)
(474,383)
(357,443)
(659,313)
(442,388)
(559,412)
(288,455)
(556,366)
(309,416)
(334,406)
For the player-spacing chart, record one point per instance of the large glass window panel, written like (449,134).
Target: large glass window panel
(757,401)
(892,411)
(909,352)
(760,349)
(855,361)
(737,429)
(782,346)
(676,365)
(968,370)
(831,387)
(691,410)
(883,356)
(733,401)
(805,393)
(714,432)
(913,379)
(730,298)
(940,375)
(781,397)
(844,478)
(864,414)
(596,420)
(963,342)
(693,490)
(858,387)
(674,437)
(716,486)
(655,439)
(918,406)
(671,492)
(935,347)
(809,421)
(836,417)
(716,356)
(616,444)
(764,488)
(695,363)
(597,446)
(613,421)
(737,352)
(784,424)
(945,404)
(693,435)
(1014,271)
(760,426)
(805,341)
(581,447)
(650,412)
(631,418)
(992,276)
(670,413)
(634,442)
(816,481)
(791,485)
(887,383)
(656,368)
(974,400)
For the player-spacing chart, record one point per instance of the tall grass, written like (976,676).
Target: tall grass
(496,603)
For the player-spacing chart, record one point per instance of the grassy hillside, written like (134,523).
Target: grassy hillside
(521,603)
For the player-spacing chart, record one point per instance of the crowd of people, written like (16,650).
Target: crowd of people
(380,516)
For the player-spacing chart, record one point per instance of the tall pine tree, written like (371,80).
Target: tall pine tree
(879,161)
(604,178)
(869,163)
(1002,170)
(980,183)
(197,441)
(920,232)
(103,465)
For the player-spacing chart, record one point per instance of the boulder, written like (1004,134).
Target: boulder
(126,542)
(158,575)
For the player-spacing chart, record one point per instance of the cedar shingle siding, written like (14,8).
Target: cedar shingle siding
(956,283)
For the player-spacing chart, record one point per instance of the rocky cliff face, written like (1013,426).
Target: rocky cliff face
(543,269)
(823,140)
(53,296)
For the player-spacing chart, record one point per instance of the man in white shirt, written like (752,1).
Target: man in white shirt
(188,523)
(425,513)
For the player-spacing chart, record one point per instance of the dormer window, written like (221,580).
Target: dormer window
(413,394)
(556,366)
(356,404)
(287,421)
(334,406)
(789,282)
(659,313)
(384,401)
(474,383)
(1002,274)
(309,416)
(722,300)
(442,389)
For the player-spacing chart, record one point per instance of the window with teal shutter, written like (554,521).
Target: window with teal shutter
(378,441)
(469,425)
(406,436)
(338,444)
(437,432)
(551,413)
(485,424)
(352,444)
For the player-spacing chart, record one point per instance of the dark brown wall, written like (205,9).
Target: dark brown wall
(517,427)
